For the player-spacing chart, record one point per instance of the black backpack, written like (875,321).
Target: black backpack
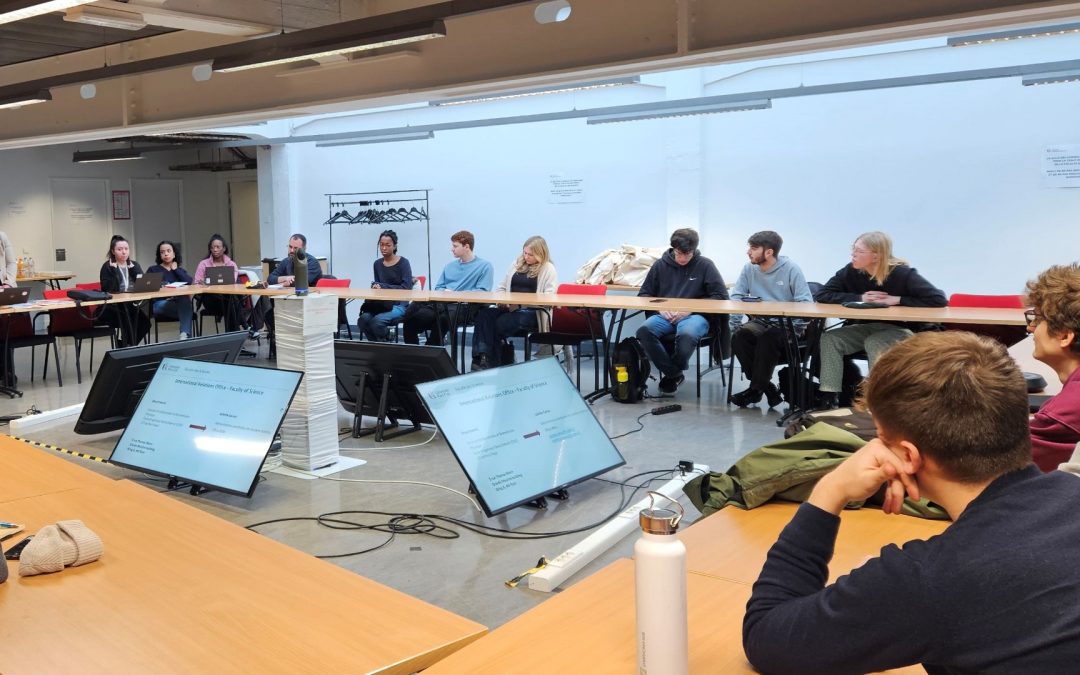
(630,355)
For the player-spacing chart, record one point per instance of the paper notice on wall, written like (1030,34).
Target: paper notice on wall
(1061,166)
(16,208)
(564,190)
(80,212)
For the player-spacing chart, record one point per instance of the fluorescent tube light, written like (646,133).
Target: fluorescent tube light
(388,138)
(1051,78)
(26,99)
(106,18)
(117,155)
(650,111)
(522,93)
(17,11)
(318,49)
(1019,34)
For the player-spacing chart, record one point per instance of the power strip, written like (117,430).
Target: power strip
(665,409)
(570,561)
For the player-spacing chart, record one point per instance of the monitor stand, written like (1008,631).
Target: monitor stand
(196,489)
(382,413)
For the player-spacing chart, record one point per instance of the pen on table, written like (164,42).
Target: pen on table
(6,524)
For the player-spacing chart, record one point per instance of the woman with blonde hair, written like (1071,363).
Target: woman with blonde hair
(873,275)
(531,272)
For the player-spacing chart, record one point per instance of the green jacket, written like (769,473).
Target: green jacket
(787,470)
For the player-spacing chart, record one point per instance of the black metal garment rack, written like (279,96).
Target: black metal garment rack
(387,207)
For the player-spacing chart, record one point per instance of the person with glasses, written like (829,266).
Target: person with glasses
(1054,322)
(873,275)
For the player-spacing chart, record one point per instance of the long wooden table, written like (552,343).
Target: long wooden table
(589,627)
(182,591)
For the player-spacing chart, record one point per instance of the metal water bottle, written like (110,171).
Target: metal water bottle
(660,582)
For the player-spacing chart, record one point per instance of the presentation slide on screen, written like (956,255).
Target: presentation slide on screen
(208,423)
(519,431)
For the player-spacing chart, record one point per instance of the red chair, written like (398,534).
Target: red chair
(331,282)
(18,331)
(1007,335)
(71,323)
(571,326)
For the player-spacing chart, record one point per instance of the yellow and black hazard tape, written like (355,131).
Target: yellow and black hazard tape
(80,455)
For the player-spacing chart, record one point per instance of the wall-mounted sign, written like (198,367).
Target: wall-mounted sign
(1061,166)
(121,204)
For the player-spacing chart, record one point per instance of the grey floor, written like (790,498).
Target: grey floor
(463,574)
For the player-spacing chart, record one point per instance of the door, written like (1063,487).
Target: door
(81,226)
(244,220)
(157,214)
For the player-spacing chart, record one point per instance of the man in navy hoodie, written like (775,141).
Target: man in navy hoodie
(682,272)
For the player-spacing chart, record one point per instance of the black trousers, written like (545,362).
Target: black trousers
(421,317)
(760,347)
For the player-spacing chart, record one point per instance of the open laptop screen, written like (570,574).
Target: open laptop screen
(519,432)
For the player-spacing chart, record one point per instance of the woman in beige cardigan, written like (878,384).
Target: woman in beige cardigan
(532,272)
(9,263)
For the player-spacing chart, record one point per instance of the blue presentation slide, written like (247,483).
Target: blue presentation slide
(207,423)
(519,431)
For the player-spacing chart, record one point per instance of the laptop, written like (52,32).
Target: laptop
(149,282)
(220,275)
(13,296)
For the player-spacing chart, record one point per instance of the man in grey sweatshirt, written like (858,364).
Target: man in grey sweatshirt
(759,343)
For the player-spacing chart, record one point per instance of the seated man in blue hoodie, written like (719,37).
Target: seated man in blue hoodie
(759,344)
(682,272)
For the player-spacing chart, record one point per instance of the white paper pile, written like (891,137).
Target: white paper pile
(305,327)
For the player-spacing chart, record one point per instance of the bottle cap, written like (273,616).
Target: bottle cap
(655,520)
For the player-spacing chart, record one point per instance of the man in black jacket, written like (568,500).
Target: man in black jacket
(998,592)
(682,272)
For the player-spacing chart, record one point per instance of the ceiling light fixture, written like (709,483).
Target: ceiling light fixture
(114,155)
(200,23)
(652,111)
(1008,35)
(26,99)
(305,51)
(522,93)
(385,138)
(22,9)
(106,18)
(1051,78)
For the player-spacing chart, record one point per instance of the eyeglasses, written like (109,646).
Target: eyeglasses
(1032,318)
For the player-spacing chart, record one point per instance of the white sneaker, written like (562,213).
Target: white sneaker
(183,336)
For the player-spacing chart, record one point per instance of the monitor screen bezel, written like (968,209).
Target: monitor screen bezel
(255,479)
(477,486)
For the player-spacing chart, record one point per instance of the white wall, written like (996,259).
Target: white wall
(951,171)
(24,183)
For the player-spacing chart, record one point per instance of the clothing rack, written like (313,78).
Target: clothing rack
(378,208)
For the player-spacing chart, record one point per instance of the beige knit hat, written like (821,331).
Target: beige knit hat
(67,543)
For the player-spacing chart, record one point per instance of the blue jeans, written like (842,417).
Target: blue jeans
(376,327)
(175,308)
(688,332)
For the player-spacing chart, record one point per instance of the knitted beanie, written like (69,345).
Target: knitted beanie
(67,543)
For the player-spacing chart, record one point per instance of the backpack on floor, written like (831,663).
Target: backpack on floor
(629,355)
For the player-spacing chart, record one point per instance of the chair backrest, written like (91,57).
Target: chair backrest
(18,325)
(576,321)
(422,280)
(1007,335)
(66,321)
(328,282)
(995,301)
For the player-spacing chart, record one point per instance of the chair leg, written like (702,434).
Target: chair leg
(697,362)
(45,366)
(730,376)
(78,351)
(56,362)
(33,351)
